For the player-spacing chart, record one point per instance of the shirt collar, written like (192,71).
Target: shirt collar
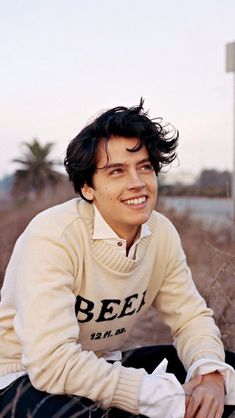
(103,231)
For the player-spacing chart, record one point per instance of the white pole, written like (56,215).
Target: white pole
(230,68)
(233,172)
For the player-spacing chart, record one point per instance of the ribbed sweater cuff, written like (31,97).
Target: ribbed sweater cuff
(127,390)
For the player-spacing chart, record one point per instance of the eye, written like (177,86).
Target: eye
(146,167)
(116,171)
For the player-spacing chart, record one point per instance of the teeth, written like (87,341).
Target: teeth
(136,201)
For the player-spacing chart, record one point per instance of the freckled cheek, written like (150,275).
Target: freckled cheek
(107,192)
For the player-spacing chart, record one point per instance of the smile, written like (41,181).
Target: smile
(136,201)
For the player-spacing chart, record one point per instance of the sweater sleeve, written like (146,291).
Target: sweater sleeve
(184,310)
(48,329)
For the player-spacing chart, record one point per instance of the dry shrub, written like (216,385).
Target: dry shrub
(210,254)
(211,257)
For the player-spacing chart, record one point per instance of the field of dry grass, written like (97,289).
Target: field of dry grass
(211,256)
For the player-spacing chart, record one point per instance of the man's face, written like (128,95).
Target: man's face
(124,189)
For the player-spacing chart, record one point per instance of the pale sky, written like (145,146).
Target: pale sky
(62,61)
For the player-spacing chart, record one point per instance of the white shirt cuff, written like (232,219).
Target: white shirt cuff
(161,394)
(205,366)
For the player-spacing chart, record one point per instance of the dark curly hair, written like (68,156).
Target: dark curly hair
(160,141)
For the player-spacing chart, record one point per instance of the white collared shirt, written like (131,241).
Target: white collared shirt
(104,232)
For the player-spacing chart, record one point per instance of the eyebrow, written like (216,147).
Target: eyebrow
(117,165)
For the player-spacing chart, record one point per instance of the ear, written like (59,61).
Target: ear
(87,192)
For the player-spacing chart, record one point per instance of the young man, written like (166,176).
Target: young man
(83,273)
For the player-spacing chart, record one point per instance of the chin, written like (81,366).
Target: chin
(140,220)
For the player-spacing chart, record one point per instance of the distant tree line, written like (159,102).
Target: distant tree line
(37,174)
(210,183)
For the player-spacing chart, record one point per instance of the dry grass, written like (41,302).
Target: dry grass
(211,256)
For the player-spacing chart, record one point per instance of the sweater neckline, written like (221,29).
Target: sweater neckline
(106,254)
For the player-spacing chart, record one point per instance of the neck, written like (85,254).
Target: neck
(132,239)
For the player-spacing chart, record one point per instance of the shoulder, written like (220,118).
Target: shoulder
(159,223)
(165,241)
(56,220)
(57,232)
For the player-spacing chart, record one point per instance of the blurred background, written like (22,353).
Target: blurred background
(63,62)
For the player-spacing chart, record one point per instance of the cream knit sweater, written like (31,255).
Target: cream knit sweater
(67,299)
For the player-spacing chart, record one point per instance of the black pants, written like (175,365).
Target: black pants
(22,400)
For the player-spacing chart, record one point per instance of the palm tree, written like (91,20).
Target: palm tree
(37,171)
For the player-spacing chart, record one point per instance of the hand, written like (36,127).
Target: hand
(205,397)
(189,388)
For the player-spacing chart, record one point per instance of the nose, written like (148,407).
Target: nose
(135,181)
